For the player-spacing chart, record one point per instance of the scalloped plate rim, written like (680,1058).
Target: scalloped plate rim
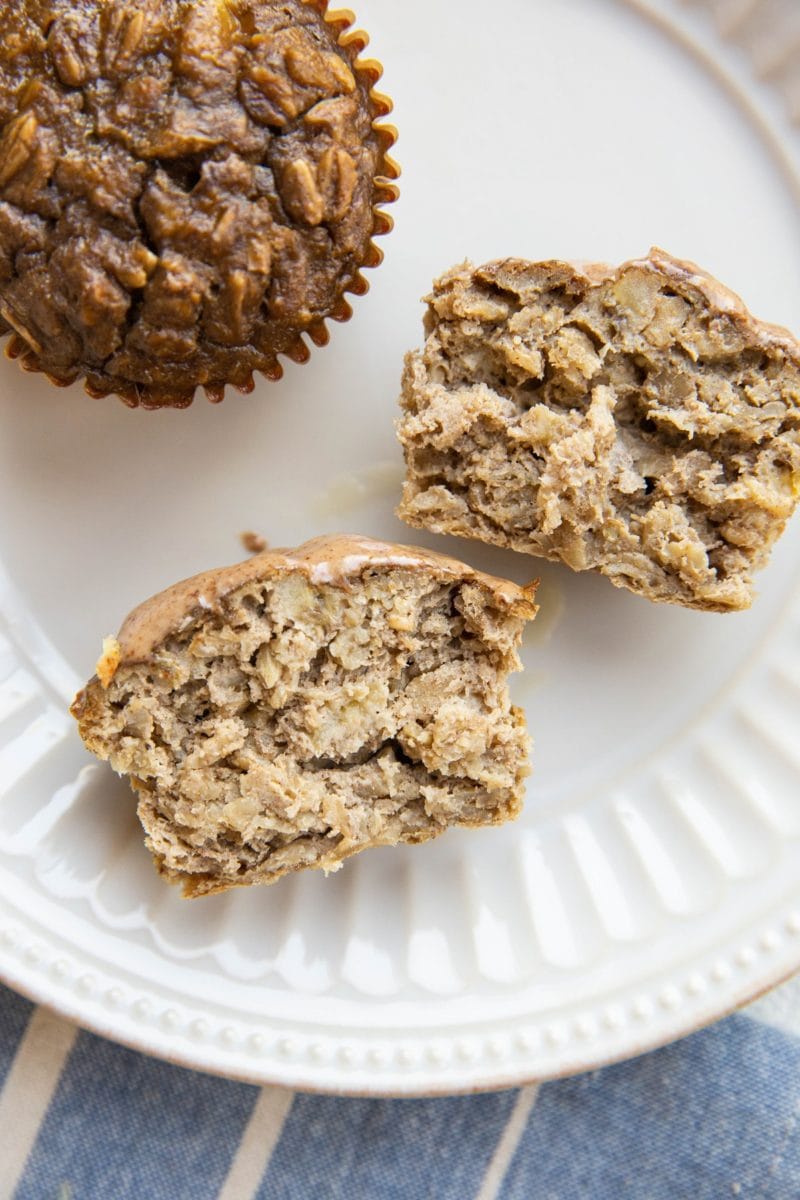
(426,1069)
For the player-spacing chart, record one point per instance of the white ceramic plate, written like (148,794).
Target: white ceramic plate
(654,880)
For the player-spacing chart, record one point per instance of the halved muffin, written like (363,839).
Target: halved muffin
(634,420)
(304,705)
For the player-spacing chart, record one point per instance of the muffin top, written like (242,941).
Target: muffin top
(186,186)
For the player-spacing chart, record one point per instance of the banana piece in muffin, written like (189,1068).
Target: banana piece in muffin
(306,704)
(636,420)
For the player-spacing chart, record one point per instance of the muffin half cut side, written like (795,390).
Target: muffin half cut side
(305,705)
(634,420)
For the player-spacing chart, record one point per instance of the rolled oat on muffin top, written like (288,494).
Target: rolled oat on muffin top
(186,188)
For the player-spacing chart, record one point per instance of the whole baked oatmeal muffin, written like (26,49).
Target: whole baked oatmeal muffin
(307,704)
(186,188)
(634,420)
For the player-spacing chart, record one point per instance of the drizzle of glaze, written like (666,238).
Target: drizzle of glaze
(334,570)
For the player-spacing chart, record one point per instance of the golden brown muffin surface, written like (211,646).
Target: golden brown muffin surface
(186,186)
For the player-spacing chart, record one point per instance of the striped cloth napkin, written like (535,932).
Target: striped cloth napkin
(711,1117)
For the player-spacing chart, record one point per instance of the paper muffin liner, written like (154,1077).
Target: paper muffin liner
(385,191)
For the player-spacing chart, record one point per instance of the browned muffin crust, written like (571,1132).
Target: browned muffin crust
(307,704)
(186,187)
(636,420)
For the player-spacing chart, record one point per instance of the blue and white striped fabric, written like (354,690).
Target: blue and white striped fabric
(714,1116)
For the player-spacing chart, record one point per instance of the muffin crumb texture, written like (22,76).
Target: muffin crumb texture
(306,706)
(186,188)
(636,420)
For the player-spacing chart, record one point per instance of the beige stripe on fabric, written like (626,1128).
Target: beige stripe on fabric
(259,1139)
(509,1140)
(28,1090)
